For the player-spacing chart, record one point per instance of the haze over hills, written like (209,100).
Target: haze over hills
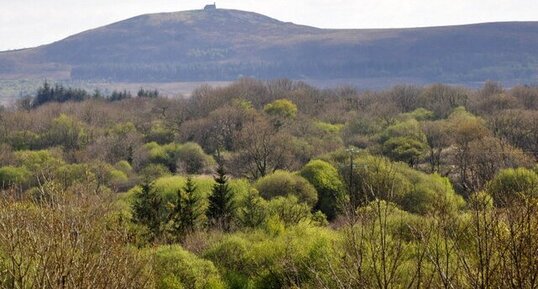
(218,45)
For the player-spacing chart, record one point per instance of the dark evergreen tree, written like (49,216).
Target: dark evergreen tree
(186,213)
(221,201)
(59,93)
(148,209)
(148,93)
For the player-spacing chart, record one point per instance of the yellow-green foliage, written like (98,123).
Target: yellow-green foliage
(329,127)
(283,183)
(326,179)
(38,161)
(415,191)
(160,133)
(174,267)
(67,132)
(69,174)
(419,114)
(189,157)
(510,183)
(282,108)
(124,166)
(290,211)
(286,260)
(168,187)
(13,176)
(430,193)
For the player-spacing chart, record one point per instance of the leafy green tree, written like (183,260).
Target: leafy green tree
(186,211)
(326,179)
(281,108)
(511,184)
(429,194)
(148,210)
(221,208)
(193,159)
(13,176)
(253,211)
(178,268)
(404,142)
(281,111)
(66,132)
(283,183)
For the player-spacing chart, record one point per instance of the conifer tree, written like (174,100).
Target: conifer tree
(186,213)
(221,201)
(147,209)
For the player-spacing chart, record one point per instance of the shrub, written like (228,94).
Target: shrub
(176,268)
(283,183)
(509,184)
(193,159)
(13,176)
(293,259)
(327,182)
(430,193)
(282,108)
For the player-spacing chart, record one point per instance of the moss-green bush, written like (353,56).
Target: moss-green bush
(327,182)
(175,267)
(292,259)
(13,176)
(283,183)
(510,184)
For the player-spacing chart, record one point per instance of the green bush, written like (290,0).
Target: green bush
(510,184)
(154,171)
(13,176)
(289,210)
(282,108)
(283,183)
(293,259)
(38,161)
(159,133)
(174,267)
(193,159)
(327,182)
(430,193)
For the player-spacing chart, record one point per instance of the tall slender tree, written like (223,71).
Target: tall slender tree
(148,209)
(221,201)
(186,213)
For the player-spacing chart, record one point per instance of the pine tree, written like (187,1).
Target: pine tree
(147,209)
(221,201)
(186,213)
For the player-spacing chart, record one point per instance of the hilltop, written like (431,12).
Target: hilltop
(220,44)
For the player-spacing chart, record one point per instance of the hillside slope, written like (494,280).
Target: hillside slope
(226,44)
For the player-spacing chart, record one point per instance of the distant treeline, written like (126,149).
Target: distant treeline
(301,66)
(58,93)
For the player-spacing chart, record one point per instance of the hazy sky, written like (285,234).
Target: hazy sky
(27,23)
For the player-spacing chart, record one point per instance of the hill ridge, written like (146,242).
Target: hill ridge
(224,44)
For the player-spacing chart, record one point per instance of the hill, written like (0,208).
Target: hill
(210,45)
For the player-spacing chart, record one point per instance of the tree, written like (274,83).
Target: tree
(438,138)
(67,132)
(326,179)
(281,110)
(262,150)
(192,159)
(253,211)
(404,141)
(147,209)
(284,183)
(221,201)
(511,184)
(186,213)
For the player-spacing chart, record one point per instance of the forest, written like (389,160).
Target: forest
(271,184)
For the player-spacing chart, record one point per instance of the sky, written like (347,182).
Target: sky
(29,23)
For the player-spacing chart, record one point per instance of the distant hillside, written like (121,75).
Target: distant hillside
(227,44)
